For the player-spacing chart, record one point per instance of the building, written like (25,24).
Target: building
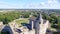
(36,26)
(40,25)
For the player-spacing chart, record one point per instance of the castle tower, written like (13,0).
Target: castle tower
(31,24)
(41,19)
(38,23)
(31,21)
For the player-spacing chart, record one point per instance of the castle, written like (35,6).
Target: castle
(36,26)
(40,25)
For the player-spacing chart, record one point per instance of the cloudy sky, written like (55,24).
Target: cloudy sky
(30,4)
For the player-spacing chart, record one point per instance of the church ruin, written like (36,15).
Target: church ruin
(36,26)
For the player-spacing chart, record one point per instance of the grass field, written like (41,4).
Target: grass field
(22,20)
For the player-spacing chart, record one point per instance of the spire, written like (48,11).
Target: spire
(39,18)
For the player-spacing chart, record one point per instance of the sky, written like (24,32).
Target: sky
(29,4)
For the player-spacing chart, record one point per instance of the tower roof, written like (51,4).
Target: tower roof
(39,17)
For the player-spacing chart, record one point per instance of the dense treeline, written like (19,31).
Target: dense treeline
(10,16)
(53,19)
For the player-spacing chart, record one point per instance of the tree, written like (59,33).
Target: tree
(54,18)
(45,16)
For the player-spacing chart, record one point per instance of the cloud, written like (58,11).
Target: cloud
(49,4)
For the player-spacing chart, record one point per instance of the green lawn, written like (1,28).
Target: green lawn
(25,20)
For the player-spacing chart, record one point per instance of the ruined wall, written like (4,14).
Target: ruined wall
(43,27)
(29,32)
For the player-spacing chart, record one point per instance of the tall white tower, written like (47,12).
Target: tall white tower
(38,22)
(31,21)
